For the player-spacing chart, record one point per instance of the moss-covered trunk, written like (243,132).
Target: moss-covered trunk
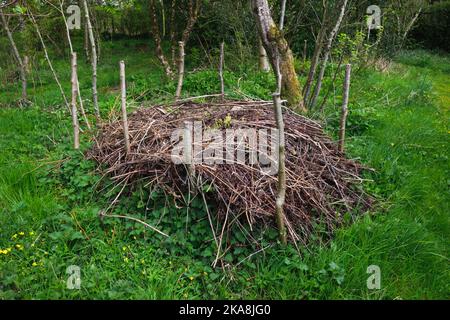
(276,45)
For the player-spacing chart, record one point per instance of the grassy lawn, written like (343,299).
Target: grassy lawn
(50,197)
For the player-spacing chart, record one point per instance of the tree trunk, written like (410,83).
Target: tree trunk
(75,124)
(221,62)
(263,61)
(327,54)
(180,70)
(157,37)
(194,10)
(123,90)
(173,41)
(283,14)
(344,110)
(86,43)
(93,60)
(315,58)
(281,189)
(23,74)
(69,40)
(274,43)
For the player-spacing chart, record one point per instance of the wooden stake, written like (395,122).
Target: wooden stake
(69,40)
(76,126)
(123,89)
(344,110)
(180,70)
(222,57)
(281,190)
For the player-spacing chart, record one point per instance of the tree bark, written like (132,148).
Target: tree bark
(75,124)
(180,70)
(157,37)
(194,9)
(173,41)
(275,44)
(327,51)
(23,74)
(221,63)
(69,40)
(283,14)
(344,110)
(263,60)
(315,59)
(281,189)
(123,89)
(86,43)
(93,60)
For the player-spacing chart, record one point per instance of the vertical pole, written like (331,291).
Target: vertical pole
(180,70)
(93,59)
(222,57)
(123,90)
(281,190)
(76,126)
(344,110)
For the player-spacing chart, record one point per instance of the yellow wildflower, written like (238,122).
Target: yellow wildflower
(21,233)
(14,236)
(31,233)
(34,264)
(125,259)
(19,246)
(191,278)
(3,251)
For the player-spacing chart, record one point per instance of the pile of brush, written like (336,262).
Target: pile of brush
(322,184)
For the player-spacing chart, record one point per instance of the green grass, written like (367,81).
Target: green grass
(398,125)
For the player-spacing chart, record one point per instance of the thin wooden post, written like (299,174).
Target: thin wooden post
(344,110)
(180,70)
(69,40)
(281,190)
(221,63)
(75,123)
(123,89)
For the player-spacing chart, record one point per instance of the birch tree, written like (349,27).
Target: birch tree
(276,45)
(316,56)
(327,51)
(93,59)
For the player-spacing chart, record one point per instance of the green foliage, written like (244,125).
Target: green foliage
(53,195)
